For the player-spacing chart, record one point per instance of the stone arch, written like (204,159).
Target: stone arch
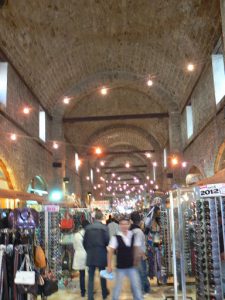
(5,176)
(117,79)
(194,175)
(140,133)
(220,158)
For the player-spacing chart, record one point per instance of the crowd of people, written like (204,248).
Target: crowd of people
(120,240)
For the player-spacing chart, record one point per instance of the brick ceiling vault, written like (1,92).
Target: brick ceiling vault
(72,48)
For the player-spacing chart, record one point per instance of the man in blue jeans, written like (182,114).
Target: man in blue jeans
(142,267)
(124,243)
(96,239)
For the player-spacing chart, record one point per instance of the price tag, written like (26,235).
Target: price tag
(212,190)
(52,208)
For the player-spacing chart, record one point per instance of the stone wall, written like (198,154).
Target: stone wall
(28,156)
(209,132)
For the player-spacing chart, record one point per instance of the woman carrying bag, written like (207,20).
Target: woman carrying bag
(79,261)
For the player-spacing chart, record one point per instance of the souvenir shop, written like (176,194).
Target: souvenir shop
(36,251)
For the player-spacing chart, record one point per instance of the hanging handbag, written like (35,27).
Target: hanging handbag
(67,222)
(39,257)
(26,280)
(50,286)
(24,218)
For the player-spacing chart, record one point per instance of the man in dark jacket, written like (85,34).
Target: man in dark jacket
(96,240)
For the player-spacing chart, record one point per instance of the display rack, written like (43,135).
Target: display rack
(210,242)
(181,208)
(166,246)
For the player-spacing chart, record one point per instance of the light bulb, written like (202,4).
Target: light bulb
(190,67)
(150,82)
(104,91)
(55,146)
(66,100)
(26,110)
(13,137)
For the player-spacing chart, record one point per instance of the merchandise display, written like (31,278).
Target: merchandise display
(210,241)
(166,246)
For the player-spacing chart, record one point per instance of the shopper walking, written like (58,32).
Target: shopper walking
(125,243)
(142,265)
(96,240)
(113,228)
(79,261)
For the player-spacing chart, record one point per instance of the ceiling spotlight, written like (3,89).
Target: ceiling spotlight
(113,174)
(127,165)
(147,177)
(99,185)
(148,155)
(66,100)
(26,110)
(150,82)
(88,178)
(104,91)
(174,161)
(184,164)
(190,67)
(101,194)
(154,164)
(102,163)
(95,188)
(98,170)
(13,136)
(156,187)
(98,151)
(55,145)
(151,181)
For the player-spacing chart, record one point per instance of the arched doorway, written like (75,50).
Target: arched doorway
(5,184)
(193,176)
(220,159)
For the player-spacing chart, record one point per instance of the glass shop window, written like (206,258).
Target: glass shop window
(218,76)
(42,125)
(3,83)
(189,117)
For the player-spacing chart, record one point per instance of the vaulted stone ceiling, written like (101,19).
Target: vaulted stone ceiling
(72,48)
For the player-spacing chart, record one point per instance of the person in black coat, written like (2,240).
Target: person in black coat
(96,239)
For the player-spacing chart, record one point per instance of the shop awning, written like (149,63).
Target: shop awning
(219,177)
(11,194)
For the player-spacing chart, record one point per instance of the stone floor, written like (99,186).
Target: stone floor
(72,292)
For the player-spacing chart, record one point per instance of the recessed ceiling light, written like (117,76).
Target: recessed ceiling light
(66,100)
(104,91)
(13,136)
(26,110)
(150,82)
(190,67)
(55,145)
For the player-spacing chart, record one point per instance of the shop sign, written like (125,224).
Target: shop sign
(212,190)
(52,208)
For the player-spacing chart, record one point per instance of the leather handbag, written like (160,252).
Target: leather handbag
(67,222)
(26,280)
(39,257)
(50,286)
(24,218)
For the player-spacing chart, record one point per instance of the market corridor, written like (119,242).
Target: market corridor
(71,294)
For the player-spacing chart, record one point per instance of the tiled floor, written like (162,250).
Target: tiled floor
(158,293)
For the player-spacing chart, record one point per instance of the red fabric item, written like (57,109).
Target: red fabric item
(66,223)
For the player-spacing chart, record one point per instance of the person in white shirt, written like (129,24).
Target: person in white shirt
(125,243)
(79,261)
